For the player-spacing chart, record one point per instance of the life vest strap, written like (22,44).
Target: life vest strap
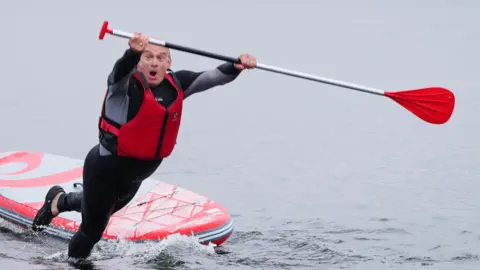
(108,127)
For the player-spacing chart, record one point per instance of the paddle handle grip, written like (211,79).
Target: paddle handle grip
(105,30)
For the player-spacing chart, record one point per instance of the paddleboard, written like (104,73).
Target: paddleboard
(158,210)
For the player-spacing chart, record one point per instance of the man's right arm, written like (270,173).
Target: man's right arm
(118,77)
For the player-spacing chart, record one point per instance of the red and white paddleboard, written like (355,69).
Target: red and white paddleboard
(159,209)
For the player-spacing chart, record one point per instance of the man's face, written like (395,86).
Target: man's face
(153,64)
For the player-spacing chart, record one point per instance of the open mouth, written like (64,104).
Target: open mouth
(153,73)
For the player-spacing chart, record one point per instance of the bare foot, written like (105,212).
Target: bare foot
(54,209)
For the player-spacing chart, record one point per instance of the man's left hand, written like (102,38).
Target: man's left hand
(248,61)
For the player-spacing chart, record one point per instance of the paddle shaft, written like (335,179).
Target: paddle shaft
(292,73)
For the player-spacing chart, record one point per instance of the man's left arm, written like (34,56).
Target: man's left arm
(195,82)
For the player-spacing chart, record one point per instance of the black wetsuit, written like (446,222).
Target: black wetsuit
(110,181)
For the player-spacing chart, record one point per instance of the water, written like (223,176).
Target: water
(315,176)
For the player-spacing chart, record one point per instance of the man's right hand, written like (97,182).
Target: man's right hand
(138,42)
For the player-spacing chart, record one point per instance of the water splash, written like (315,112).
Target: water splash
(121,252)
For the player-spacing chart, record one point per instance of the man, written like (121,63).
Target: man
(138,128)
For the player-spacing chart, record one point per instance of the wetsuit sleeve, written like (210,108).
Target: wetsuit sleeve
(195,82)
(117,80)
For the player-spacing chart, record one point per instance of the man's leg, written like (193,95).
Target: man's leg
(56,201)
(100,201)
(138,172)
(127,197)
(96,202)
(109,183)
(70,202)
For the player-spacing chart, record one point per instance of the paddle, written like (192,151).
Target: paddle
(433,104)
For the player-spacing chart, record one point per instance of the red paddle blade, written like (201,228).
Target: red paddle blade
(433,105)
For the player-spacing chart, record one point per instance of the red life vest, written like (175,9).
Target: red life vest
(152,133)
